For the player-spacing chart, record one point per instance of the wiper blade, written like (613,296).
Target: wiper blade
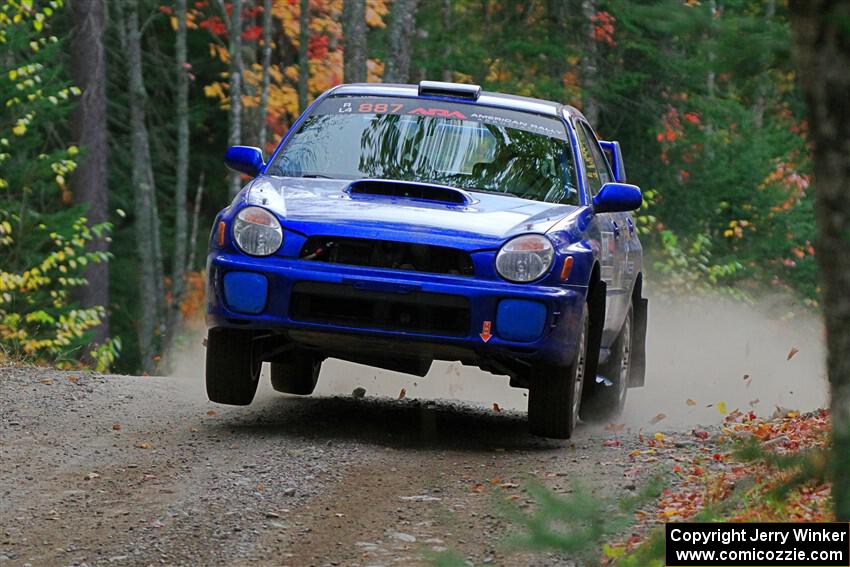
(492,191)
(316,176)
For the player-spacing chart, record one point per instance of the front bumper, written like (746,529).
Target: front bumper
(489,320)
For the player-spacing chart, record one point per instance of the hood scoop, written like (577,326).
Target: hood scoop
(365,188)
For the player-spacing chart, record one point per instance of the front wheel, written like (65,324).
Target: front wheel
(232,373)
(605,396)
(554,395)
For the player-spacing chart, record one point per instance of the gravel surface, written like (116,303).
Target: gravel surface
(121,470)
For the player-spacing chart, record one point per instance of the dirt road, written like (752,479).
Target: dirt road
(117,470)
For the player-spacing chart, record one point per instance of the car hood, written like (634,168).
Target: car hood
(301,202)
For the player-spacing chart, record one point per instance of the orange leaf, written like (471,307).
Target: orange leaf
(211,413)
(478,488)
(690,402)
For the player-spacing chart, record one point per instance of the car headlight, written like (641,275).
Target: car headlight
(525,258)
(257,232)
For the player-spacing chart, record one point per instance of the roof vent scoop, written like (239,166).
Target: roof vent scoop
(450,90)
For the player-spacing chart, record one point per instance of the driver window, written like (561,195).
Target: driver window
(603,174)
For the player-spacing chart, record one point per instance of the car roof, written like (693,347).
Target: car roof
(486,98)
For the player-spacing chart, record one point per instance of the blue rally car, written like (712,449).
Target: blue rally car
(396,225)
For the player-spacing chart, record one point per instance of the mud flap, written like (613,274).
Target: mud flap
(596,308)
(637,375)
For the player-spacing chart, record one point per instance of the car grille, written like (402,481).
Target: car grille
(345,305)
(388,254)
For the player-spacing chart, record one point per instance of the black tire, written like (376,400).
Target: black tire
(604,401)
(232,373)
(297,374)
(554,396)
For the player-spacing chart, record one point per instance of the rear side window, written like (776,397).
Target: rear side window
(595,163)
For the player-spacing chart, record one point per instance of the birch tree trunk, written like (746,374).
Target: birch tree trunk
(147,219)
(235,48)
(88,123)
(267,61)
(303,55)
(402,30)
(823,57)
(589,64)
(354,36)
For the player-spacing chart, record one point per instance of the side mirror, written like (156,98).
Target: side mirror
(617,198)
(245,159)
(615,158)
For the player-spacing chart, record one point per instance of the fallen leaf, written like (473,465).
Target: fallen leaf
(611,443)
(657,418)
(746,377)
(73,379)
(690,402)
(793,414)
(615,426)
(496,407)
(701,434)
(194,429)
(721,408)
(478,488)
(116,427)
(508,485)
(659,437)
(143,446)
(91,476)
(754,402)
(792,352)
(402,394)
(46,381)
(261,487)
(211,413)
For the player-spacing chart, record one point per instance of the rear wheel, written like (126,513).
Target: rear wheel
(232,373)
(298,373)
(554,396)
(605,396)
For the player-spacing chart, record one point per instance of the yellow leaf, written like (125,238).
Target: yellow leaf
(20,129)
(721,408)
(659,436)
(691,402)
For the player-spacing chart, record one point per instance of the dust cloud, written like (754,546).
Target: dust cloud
(698,350)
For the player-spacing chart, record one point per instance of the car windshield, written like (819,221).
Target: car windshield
(460,145)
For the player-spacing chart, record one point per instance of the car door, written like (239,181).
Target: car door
(614,233)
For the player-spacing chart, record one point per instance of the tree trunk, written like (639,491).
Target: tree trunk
(402,29)
(823,57)
(180,186)
(267,61)
(88,124)
(147,219)
(446,17)
(589,63)
(354,36)
(235,32)
(303,55)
